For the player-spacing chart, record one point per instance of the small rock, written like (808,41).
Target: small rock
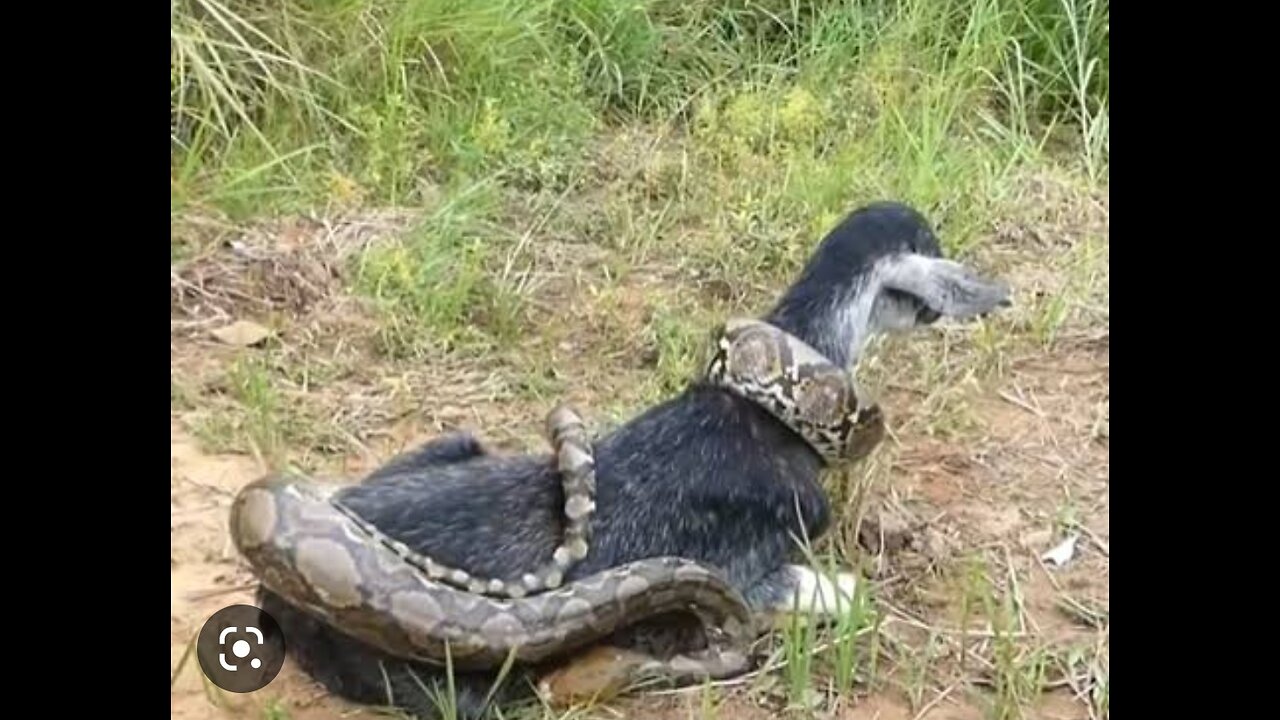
(242,333)
(885,532)
(1063,552)
(596,675)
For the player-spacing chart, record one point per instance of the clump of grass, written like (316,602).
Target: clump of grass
(1018,667)
(1081,271)
(831,653)
(799,637)
(275,710)
(920,667)
(255,418)
(680,343)
(432,287)
(851,649)
(1019,675)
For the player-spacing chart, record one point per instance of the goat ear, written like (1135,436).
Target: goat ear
(945,286)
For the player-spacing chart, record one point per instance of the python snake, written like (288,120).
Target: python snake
(324,559)
(575,461)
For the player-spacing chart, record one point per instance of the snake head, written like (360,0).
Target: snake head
(868,432)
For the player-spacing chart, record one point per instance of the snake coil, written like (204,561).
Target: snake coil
(323,558)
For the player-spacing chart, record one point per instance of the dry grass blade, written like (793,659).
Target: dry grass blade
(182,662)
(937,699)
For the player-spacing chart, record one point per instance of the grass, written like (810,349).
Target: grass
(433,283)
(255,418)
(585,187)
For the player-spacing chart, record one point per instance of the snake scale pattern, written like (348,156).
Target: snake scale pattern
(324,559)
(575,461)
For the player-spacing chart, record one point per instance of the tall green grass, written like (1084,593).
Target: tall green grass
(294,103)
(784,112)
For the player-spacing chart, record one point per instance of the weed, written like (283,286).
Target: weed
(256,419)
(275,710)
(432,287)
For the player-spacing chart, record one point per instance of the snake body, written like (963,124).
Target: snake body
(575,460)
(326,560)
(796,384)
(318,559)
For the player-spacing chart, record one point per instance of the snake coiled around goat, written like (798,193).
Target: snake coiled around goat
(329,562)
(319,560)
(575,461)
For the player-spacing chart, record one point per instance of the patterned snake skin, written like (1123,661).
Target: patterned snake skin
(576,462)
(327,561)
